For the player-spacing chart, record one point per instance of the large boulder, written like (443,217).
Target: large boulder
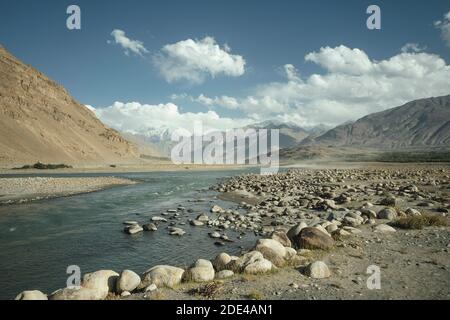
(272,250)
(259,266)
(313,238)
(128,281)
(387,214)
(162,276)
(252,262)
(281,237)
(77,293)
(31,295)
(224,274)
(221,261)
(202,271)
(295,230)
(383,228)
(318,270)
(103,281)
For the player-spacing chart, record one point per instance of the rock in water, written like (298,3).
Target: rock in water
(202,271)
(313,238)
(128,281)
(133,229)
(162,276)
(216,209)
(318,270)
(150,227)
(31,295)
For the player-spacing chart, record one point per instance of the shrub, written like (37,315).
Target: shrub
(419,222)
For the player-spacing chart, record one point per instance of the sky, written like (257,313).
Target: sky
(148,64)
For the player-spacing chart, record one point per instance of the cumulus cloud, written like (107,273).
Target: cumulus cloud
(134,117)
(353,85)
(194,60)
(129,45)
(444,26)
(411,47)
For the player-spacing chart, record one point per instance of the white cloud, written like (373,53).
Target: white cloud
(352,86)
(444,26)
(412,47)
(135,117)
(194,60)
(129,45)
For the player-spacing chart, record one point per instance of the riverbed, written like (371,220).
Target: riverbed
(39,240)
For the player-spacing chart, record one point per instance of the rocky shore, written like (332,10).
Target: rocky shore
(319,231)
(20,190)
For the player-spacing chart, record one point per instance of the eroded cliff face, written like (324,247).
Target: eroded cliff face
(40,121)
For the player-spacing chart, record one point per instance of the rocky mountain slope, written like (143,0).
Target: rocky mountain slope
(40,121)
(420,123)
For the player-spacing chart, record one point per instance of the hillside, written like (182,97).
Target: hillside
(40,121)
(420,123)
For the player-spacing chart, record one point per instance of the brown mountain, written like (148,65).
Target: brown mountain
(40,121)
(420,123)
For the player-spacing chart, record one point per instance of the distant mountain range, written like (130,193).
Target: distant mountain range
(420,123)
(40,121)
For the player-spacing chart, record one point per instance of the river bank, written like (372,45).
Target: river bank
(311,225)
(21,190)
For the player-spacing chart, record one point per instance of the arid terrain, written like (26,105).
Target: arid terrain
(319,231)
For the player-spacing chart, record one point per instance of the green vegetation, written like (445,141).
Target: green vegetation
(43,166)
(419,222)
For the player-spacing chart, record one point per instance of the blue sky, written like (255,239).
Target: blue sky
(267,35)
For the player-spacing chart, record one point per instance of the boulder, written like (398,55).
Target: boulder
(158,219)
(202,217)
(196,223)
(252,262)
(412,212)
(174,231)
(387,214)
(103,281)
(133,229)
(150,227)
(295,230)
(216,209)
(162,276)
(259,266)
(77,293)
(31,295)
(389,201)
(272,250)
(202,271)
(312,238)
(383,228)
(128,281)
(317,270)
(281,237)
(223,274)
(221,261)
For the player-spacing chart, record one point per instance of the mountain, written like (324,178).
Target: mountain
(420,123)
(40,121)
